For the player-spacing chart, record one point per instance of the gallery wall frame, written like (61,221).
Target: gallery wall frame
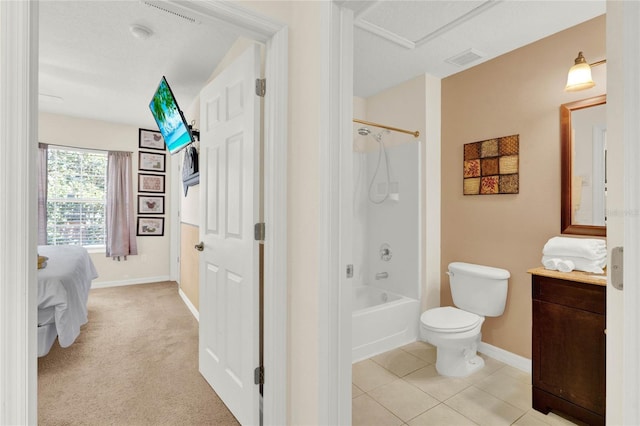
(150,226)
(152,161)
(150,204)
(150,139)
(151,183)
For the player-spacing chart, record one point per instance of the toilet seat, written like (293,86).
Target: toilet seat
(448,319)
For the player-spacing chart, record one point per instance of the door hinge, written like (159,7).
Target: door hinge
(259,231)
(617,261)
(258,375)
(349,271)
(261,87)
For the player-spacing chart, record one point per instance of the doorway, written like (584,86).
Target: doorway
(337,185)
(19,24)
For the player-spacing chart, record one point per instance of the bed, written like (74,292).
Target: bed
(63,291)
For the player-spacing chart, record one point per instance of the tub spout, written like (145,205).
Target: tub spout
(382,275)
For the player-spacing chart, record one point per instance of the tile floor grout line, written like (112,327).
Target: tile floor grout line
(495,371)
(380,404)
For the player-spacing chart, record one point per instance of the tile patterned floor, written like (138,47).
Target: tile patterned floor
(402,387)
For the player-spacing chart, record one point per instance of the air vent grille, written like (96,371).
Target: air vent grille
(164,8)
(465,58)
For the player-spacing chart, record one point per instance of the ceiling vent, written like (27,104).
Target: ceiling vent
(465,58)
(163,6)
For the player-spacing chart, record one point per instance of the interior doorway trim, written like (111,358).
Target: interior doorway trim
(19,118)
(626,68)
(335,221)
(276,39)
(18,144)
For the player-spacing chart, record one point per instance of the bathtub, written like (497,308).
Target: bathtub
(381,321)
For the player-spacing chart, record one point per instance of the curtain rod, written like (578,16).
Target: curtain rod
(395,129)
(70,147)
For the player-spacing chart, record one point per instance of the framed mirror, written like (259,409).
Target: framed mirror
(583,142)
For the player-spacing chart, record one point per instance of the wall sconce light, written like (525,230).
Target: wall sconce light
(579,77)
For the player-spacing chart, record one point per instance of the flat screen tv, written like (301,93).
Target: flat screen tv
(169,117)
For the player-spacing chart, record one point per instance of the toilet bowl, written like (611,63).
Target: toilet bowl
(456,334)
(477,291)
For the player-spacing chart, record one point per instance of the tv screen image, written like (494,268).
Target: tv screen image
(169,118)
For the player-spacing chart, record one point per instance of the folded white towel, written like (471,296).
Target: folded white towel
(588,248)
(551,264)
(566,266)
(580,264)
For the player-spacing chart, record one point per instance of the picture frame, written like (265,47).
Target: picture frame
(152,161)
(150,204)
(151,139)
(150,183)
(150,226)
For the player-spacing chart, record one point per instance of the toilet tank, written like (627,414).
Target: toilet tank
(478,289)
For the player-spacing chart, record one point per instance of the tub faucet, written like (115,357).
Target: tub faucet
(382,275)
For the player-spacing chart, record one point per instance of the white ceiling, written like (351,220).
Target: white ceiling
(92,66)
(90,58)
(397,40)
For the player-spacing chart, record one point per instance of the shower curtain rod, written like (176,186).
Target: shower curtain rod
(395,129)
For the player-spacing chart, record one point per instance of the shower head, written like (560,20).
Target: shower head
(363,131)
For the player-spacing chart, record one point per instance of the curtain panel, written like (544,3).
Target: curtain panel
(42,165)
(120,225)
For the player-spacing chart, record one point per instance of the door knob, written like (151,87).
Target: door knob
(200,246)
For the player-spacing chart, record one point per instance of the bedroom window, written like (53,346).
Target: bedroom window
(76,196)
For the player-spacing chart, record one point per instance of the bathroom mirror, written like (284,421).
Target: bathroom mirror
(583,141)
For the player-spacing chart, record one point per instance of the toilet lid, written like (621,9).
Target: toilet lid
(448,319)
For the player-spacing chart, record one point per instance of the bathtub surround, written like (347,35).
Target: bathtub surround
(381,321)
(391,225)
(416,104)
(386,287)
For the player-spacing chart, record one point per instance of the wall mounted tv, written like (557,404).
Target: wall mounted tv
(171,122)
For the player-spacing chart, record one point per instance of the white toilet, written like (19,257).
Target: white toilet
(477,291)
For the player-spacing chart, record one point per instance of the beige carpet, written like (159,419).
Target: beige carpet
(134,363)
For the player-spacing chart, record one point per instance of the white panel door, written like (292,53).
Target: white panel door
(229,203)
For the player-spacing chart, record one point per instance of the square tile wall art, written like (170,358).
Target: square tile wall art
(492,166)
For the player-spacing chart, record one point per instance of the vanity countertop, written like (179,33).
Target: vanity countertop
(579,276)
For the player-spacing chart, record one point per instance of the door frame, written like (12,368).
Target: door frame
(335,158)
(19,118)
(623,131)
(333,396)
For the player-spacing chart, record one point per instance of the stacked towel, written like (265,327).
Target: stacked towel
(583,254)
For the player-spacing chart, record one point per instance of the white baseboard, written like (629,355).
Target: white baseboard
(187,302)
(515,361)
(147,280)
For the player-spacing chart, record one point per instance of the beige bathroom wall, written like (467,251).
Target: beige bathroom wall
(517,93)
(404,106)
(401,106)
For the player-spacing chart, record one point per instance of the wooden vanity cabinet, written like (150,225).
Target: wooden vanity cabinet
(569,348)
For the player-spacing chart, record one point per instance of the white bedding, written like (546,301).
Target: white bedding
(63,290)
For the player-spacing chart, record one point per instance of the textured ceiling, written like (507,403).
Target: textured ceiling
(90,59)
(92,66)
(397,40)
